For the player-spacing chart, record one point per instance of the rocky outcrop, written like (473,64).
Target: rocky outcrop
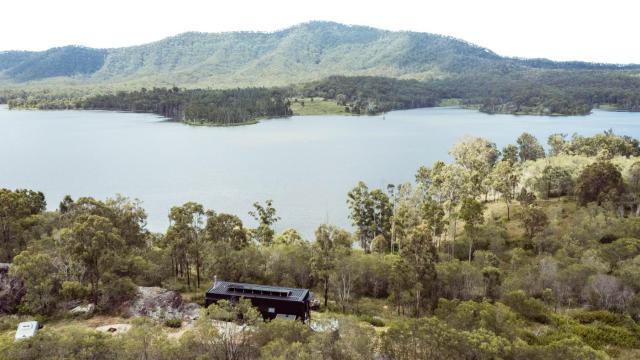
(83,309)
(159,304)
(11,291)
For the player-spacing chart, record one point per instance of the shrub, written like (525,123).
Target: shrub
(599,335)
(373,320)
(74,290)
(289,331)
(529,308)
(603,316)
(569,348)
(115,291)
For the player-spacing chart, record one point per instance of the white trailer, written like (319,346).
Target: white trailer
(27,329)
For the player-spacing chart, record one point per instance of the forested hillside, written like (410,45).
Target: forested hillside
(66,61)
(302,53)
(514,253)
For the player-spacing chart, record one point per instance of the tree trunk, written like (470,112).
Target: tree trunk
(326,291)
(453,237)
(188,275)
(508,211)
(198,273)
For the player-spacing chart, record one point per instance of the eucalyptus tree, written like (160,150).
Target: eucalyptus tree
(510,153)
(225,228)
(17,209)
(506,177)
(599,182)
(450,184)
(266,217)
(94,242)
(126,215)
(472,213)
(330,242)
(557,144)
(554,181)
(421,256)
(534,220)
(289,237)
(371,213)
(530,148)
(407,214)
(185,237)
(477,156)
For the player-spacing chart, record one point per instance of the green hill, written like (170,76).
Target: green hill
(306,52)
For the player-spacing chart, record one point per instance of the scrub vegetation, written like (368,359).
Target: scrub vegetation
(513,253)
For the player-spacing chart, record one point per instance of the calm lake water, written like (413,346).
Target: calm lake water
(305,164)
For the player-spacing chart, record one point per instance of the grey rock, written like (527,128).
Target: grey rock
(160,304)
(83,309)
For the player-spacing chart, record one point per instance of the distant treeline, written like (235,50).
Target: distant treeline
(546,93)
(371,95)
(553,92)
(216,107)
(549,93)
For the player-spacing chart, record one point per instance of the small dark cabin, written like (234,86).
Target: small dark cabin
(271,301)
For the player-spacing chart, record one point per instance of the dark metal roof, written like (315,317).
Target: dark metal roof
(258,291)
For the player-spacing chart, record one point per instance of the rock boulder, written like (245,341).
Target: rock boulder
(158,303)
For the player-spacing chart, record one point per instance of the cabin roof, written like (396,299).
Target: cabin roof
(258,291)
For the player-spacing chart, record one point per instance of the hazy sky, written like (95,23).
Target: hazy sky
(603,31)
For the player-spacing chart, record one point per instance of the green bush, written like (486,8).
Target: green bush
(529,308)
(373,320)
(289,331)
(74,290)
(115,291)
(568,348)
(599,335)
(9,322)
(603,316)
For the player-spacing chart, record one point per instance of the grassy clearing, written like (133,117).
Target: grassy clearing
(451,102)
(317,106)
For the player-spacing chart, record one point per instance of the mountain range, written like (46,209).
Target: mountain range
(302,53)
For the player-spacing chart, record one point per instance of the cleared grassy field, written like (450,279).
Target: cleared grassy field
(317,106)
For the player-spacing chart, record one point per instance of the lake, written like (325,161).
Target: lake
(305,164)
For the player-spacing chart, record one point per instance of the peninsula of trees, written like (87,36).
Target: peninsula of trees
(212,107)
(513,253)
(575,94)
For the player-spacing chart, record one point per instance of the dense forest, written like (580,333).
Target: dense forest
(563,93)
(513,253)
(212,107)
